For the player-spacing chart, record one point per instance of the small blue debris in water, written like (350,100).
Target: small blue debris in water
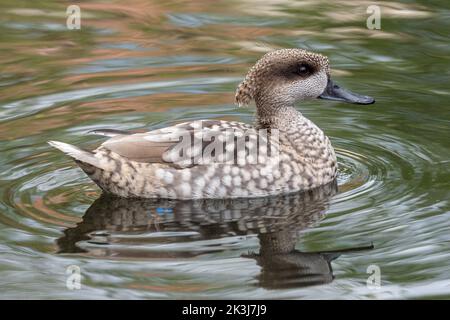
(164,210)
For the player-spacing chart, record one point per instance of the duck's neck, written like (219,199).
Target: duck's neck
(277,115)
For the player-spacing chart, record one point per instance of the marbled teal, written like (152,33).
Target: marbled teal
(282,152)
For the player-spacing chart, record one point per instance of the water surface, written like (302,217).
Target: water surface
(147,64)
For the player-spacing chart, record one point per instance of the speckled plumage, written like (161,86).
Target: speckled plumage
(144,165)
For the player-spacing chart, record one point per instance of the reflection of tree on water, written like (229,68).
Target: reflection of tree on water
(276,221)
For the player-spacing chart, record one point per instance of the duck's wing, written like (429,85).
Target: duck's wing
(109,132)
(184,144)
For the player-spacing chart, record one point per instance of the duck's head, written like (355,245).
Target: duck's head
(286,76)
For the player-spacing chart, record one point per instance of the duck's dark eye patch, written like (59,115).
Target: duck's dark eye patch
(304,70)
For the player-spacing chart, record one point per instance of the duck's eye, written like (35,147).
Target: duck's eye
(303,70)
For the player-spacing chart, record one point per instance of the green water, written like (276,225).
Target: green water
(146,64)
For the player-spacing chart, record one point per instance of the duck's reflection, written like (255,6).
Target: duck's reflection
(127,226)
(284,267)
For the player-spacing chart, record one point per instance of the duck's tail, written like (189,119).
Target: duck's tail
(77,153)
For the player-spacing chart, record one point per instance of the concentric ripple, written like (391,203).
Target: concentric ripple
(383,163)
(44,192)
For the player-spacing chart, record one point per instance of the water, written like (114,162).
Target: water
(147,64)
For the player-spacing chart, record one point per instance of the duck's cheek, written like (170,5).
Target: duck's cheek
(316,84)
(309,88)
(321,80)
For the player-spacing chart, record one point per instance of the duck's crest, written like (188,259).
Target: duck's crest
(245,91)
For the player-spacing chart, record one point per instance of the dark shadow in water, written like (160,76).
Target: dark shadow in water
(276,221)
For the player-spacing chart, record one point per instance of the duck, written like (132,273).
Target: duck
(281,152)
